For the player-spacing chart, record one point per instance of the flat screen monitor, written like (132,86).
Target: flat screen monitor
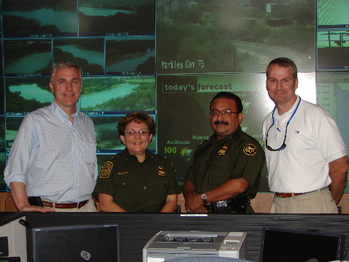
(281,245)
(91,243)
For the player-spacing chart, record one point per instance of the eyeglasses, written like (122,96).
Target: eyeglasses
(223,112)
(282,147)
(140,132)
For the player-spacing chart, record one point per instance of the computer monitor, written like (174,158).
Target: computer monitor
(93,243)
(281,245)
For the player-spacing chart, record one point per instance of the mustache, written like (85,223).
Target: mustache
(221,123)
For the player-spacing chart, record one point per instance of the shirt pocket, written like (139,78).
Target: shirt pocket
(161,182)
(161,188)
(219,172)
(126,180)
(89,150)
(127,190)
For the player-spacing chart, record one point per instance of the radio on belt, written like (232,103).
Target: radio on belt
(166,245)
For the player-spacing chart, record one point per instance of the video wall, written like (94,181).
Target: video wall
(169,58)
(112,41)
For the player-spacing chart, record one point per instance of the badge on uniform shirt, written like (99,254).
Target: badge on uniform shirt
(161,171)
(250,150)
(223,151)
(106,169)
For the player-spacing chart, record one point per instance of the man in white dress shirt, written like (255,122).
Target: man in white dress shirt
(54,153)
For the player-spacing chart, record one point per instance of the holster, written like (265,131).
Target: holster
(237,204)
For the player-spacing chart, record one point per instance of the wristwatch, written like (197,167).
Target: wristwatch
(203,197)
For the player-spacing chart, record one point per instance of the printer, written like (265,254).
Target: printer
(166,245)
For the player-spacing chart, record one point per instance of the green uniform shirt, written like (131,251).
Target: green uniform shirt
(135,186)
(236,156)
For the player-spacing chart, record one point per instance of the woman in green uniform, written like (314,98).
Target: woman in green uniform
(137,180)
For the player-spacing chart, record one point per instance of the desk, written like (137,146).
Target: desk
(137,229)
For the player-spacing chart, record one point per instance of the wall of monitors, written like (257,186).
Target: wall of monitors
(169,58)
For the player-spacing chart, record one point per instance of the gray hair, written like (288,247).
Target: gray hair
(64,64)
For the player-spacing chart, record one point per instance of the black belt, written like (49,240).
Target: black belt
(63,205)
(237,204)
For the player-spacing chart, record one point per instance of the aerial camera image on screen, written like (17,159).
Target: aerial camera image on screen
(113,18)
(12,126)
(102,95)
(87,53)
(227,36)
(105,95)
(108,140)
(27,57)
(26,94)
(39,18)
(332,13)
(107,135)
(333,49)
(130,57)
(333,35)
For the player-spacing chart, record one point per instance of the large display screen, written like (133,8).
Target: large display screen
(183,111)
(168,58)
(333,35)
(232,36)
(112,41)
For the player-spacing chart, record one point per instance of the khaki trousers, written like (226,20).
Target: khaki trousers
(319,201)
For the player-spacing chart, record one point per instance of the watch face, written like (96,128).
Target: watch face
(204,198)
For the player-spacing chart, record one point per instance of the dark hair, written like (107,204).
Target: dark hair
(229,95)
(64,64)
(137,117)
(283,62)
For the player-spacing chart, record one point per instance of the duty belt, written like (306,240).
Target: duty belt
(237,204)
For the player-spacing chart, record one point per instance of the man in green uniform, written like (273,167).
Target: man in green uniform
(226,169)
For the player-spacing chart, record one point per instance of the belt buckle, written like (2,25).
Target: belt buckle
(221,207)
(221,204)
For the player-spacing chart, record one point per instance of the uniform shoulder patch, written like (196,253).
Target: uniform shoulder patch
(250,150)
(106,169)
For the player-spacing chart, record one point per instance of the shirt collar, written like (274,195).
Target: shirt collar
(214,136)
(147,153)
(61,114)
(288,114)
